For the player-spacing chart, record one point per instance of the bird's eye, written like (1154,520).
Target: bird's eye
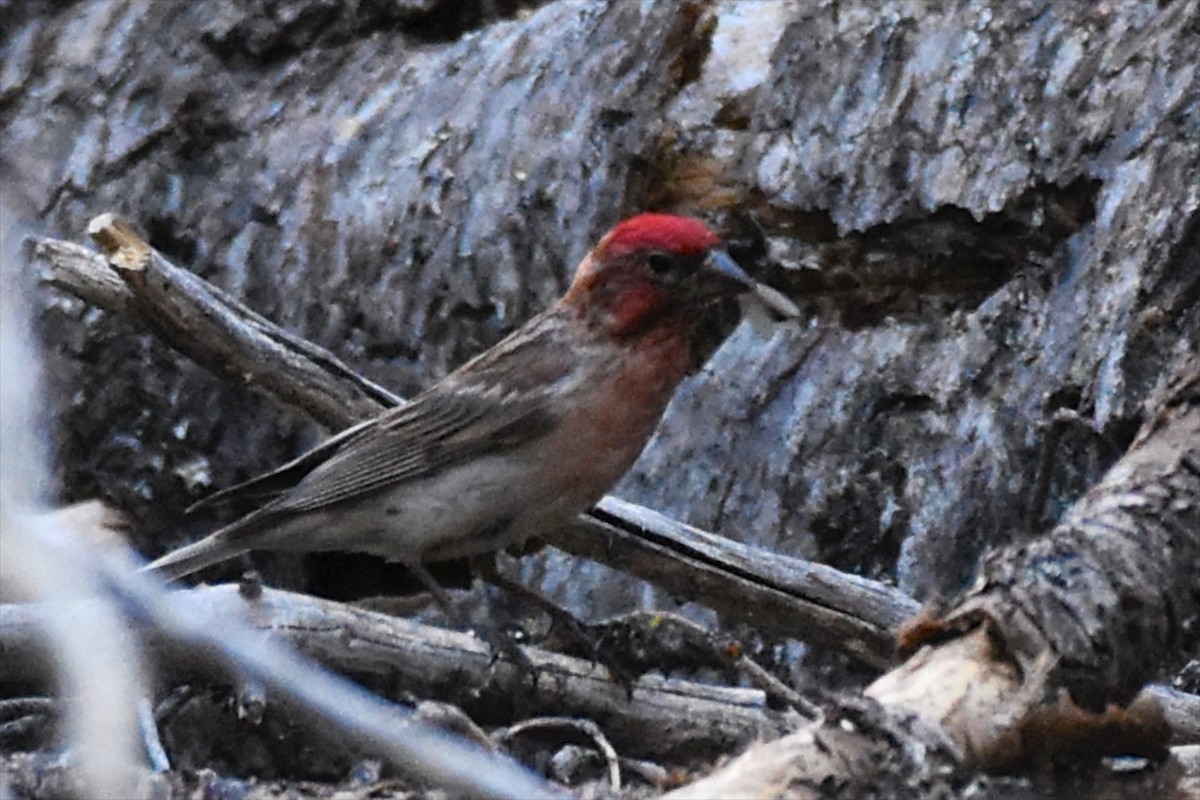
(660,263)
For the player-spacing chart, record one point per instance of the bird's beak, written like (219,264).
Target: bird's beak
(721,264)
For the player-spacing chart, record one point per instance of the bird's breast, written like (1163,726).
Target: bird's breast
(491,501)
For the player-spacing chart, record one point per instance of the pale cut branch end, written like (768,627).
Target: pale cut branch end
(124,248)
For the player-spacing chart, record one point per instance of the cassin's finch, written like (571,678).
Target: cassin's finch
(519,440)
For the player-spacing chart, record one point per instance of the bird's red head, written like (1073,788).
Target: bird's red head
(649,265)
(664,232)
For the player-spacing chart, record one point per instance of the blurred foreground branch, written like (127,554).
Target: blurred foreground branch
(208,638)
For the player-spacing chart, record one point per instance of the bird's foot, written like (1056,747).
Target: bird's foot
(503,646)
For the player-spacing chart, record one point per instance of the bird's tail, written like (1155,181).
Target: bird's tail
(186,560)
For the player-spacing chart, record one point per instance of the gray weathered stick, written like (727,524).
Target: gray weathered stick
(205,323)
(384,652)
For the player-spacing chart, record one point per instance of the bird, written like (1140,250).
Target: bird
(520,439)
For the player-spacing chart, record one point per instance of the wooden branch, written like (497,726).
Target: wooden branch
(1103,591)
(390,654)
(1086,610)
(863,756)
(776,593)
(208,639)
(217,331)
(801,766)
(781,595)
(77,270)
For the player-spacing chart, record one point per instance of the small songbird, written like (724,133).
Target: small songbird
(519,440)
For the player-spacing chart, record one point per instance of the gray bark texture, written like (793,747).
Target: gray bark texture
(991,209)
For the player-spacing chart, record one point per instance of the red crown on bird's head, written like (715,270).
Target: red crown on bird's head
(666,232)
(641,235)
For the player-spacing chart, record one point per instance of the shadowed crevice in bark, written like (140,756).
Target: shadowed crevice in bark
(254,34)
(928,266)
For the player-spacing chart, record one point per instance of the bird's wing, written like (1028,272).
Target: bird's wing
(499,400)
(434,431)
(270,485)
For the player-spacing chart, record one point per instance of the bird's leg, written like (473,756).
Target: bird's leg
(434,588)
(495,638)
(487,567)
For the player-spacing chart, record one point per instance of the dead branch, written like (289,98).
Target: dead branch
(83,272)
(213,328)
(776,593)
(996,688)
(801,765)
(387,654)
